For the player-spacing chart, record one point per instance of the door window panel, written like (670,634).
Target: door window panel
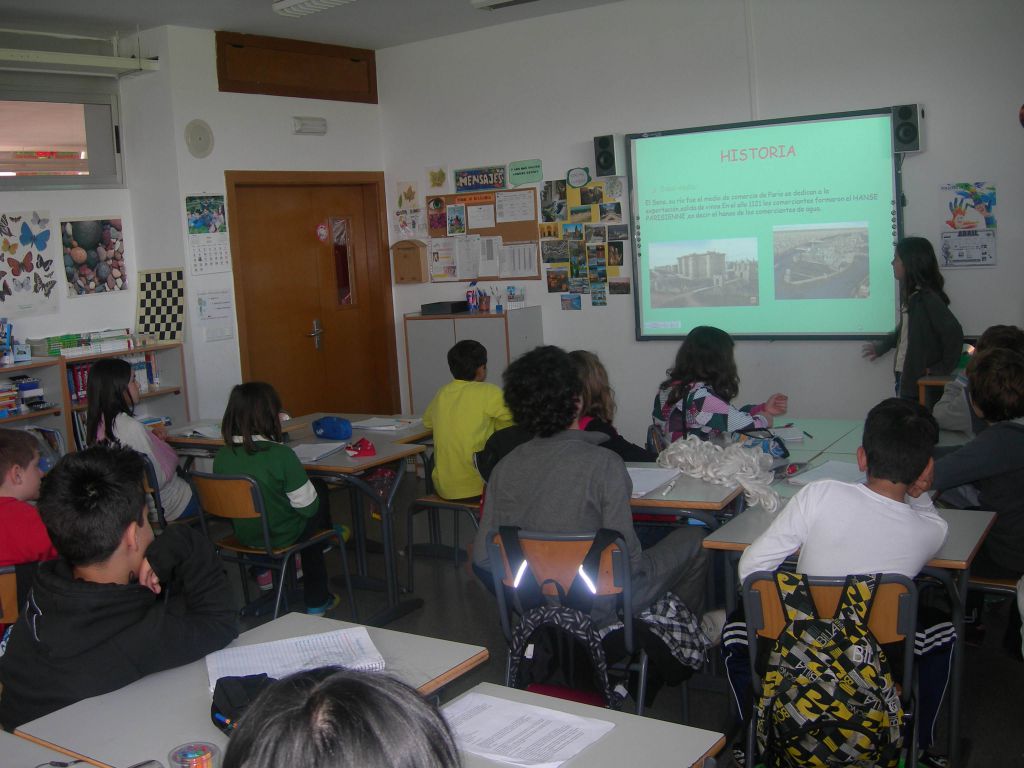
(342,260)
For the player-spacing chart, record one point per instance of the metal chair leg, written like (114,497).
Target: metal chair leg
(354,613)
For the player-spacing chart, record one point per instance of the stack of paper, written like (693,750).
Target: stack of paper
(646,479)
(315,451)
(382,424)
(350,648)
(520,734)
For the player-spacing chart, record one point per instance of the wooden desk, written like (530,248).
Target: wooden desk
(930,382)
(146,719)
(951,565)
(633,739)
(341,469)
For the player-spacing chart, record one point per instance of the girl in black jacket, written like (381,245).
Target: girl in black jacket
(928,338)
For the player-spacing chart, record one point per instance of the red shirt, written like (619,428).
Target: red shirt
(23,537)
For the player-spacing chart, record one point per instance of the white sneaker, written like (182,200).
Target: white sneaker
(711,624)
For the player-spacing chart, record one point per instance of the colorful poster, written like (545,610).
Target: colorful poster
(94,257)
(26,276)
(968,236)
(474,179)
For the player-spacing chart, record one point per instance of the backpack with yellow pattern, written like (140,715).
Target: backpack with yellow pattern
(828,697)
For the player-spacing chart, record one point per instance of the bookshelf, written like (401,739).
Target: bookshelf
(167,398)
(50,372)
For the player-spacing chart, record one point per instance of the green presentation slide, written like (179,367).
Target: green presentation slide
(775,229)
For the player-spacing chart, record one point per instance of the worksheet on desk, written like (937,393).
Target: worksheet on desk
(646,479)
(520,734)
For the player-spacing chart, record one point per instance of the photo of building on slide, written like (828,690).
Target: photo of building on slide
(825,261)
(704,273)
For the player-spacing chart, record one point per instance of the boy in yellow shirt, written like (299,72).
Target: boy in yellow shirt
(462,415)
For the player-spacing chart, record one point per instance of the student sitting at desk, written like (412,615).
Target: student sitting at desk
(296,507)
(23,537)
(113,394)
(117,605)
(336,718)
(563,481)
(953,411)
(993,463)
(886,525)
(696,398)
(463,414)
(597,408)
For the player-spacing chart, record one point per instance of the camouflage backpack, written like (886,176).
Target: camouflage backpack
(828,697)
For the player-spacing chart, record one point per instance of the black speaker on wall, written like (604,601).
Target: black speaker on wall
(605,162)
(906,128)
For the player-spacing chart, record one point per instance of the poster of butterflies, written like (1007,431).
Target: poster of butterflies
(27,265)
(94,258)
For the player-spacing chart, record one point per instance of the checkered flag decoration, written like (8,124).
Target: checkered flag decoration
(161,306)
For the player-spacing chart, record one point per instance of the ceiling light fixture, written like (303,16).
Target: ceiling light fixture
(296,8)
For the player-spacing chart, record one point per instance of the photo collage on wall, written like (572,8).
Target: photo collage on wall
(584,240)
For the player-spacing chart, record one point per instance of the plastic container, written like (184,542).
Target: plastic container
(195,754)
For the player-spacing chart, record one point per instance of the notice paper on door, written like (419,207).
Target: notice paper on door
(520,734)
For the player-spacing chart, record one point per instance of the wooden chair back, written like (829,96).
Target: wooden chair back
(884,620)
(558,561)
(8,595)
(235,497)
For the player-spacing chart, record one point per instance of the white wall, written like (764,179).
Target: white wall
(251,132)
(544,88)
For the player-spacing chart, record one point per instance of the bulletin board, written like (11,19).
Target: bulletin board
(510,214)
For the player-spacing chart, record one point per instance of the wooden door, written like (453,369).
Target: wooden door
(309,256)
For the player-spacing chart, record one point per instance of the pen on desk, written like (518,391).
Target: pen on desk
(808,434)
(668,488)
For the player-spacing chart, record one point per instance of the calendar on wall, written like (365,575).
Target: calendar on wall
(208,248)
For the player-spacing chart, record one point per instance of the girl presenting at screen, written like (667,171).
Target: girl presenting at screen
(928,338)
(695,398)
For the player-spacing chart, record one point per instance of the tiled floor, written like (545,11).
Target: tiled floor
(457,607)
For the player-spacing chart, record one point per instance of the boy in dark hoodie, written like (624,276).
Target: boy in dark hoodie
(117,605)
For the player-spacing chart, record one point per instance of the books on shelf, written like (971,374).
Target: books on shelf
(144,369)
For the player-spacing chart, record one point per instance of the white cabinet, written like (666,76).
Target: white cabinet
(429,337)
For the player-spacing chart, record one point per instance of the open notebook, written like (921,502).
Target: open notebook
(351,648)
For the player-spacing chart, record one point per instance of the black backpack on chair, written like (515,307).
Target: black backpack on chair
(555,648)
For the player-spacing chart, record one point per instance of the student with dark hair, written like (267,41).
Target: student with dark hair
(335,718)
(463,414)
(884,525)
(597,406)
(928,338)
(953,411)
(23,537)
(113,394)
(696,398)
(562,480)
(993,462)
(296,508)
(117,605)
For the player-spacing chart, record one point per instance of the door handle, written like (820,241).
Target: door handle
(315,334)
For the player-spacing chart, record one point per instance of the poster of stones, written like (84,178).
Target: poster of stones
(94,258)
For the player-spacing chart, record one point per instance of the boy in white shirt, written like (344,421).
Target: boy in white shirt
(885,525)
